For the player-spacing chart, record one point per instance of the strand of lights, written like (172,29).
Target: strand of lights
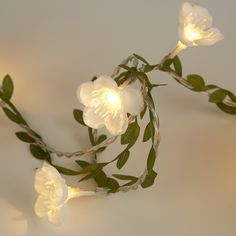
(116,102)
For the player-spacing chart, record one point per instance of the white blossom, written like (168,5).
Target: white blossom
(107,105)
(196,26)
(53,194)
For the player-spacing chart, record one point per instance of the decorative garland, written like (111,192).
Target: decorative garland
(117,102)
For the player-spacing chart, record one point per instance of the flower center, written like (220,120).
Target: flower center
(113,99)
(106,102)
(192,33)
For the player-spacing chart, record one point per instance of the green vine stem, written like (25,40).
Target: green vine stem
(134,68)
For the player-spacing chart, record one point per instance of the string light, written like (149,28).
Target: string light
(116,102)
(54,194)
(107,105)
(195,28)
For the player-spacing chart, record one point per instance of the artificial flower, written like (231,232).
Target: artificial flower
(196,26)
(53,194)
(107,105)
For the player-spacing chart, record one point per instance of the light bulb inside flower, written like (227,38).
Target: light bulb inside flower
(114,99)
(192,33)
(54,194)
(195,28)
(107,104)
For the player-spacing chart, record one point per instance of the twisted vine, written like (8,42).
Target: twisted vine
(134,68)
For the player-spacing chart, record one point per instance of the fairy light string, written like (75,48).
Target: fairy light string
(118,103)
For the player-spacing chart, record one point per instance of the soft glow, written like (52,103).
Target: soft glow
(192,33)
(13,220)
(113,99)
(107,105)
(53,194)
(106,102)
(196,26)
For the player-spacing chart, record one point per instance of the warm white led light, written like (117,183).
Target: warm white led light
(192,33)
(196,26)
(113,99)
(53,194)
(107,105)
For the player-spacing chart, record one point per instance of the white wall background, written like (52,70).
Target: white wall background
(50,47)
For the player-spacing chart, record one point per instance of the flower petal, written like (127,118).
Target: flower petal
(56,215)
(105,81)
(133,100)
(93,119)
(213,36)
(201,17)
(45,174)
(84,92)
(185,12)
(40,207)
(117,125)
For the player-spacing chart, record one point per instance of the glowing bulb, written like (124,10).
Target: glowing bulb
(195,26)
(54,194)
(107,105)
(114,99)
(192,33)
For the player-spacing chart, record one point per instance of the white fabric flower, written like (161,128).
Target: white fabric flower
(53,194)
(196,26)
(107,105)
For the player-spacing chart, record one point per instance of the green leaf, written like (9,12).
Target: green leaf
(100,139)
(112,184)
(177,66)
(226,108)
(151,159)
(218,96)
(143,112)
(101,179)
(141,59)
(122,158)
(210,87)
(89,176)
(158,85)
(232,96)
(66,171)
(144,78)
(149,68)
(130,183)
(23,136)
(131,69)
(13,117)
(166,65)
(7,87)
(149,180)
(93,174)
(91,137)
(91,167)
(131,134)
(39,153)
(197,82)
(148,132)
(78,115)
(125,177)
(82,163)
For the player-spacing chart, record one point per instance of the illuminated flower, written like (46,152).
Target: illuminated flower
(53,194)
(107,105)
(196,27)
